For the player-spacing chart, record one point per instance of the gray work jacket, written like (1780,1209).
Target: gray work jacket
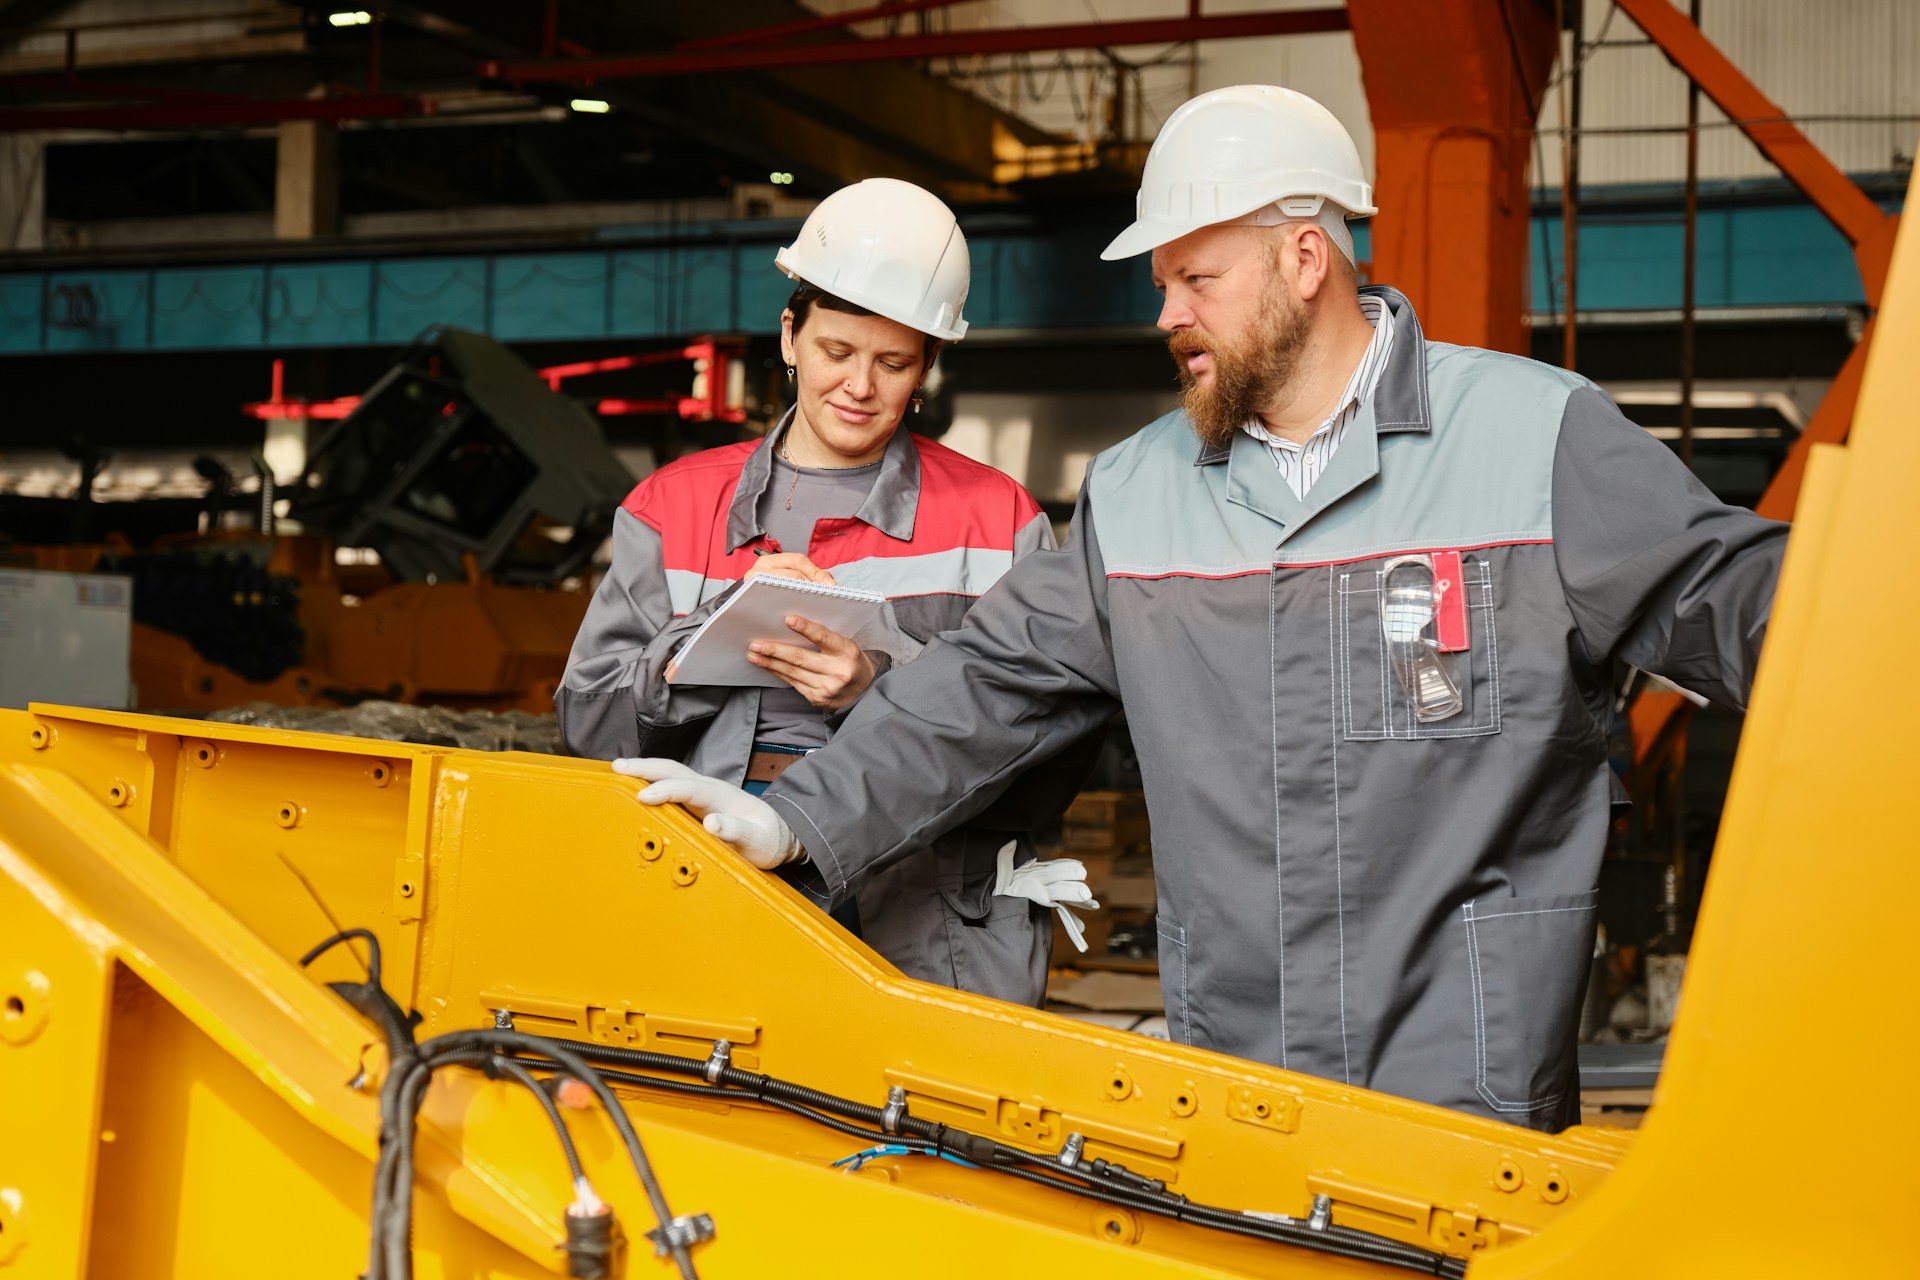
(1344,889)
(936,531)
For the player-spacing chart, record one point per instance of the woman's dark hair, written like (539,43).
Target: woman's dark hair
(806,297)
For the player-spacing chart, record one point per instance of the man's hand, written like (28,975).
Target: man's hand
(831,679)
(1054,882)
(789,564)
(746,822)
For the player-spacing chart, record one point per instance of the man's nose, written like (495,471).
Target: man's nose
(1174,314)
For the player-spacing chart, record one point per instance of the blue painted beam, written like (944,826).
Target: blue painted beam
(634,285)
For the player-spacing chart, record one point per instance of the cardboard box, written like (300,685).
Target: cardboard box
(1106,820)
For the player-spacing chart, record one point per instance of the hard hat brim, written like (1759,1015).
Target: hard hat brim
(1144,236)
(859,298)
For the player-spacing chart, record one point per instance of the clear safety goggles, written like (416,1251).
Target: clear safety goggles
(1409,603)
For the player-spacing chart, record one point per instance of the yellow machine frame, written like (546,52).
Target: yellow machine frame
(179,1098)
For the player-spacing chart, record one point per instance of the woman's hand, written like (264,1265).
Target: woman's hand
(831,679)
(789,564)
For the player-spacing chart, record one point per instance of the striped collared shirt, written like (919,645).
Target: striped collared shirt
(1301,464)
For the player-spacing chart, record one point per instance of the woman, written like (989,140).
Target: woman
(835,493)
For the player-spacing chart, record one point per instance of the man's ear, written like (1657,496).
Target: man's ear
(1312,260)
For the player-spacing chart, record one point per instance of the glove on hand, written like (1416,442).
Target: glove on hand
(1053,882)
(746,822)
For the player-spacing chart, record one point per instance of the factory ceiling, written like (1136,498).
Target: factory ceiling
(175,114)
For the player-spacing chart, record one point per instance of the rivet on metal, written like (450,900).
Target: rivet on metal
(686,873)
(381,772)
(120,794)
(23,1005)
(40,737)
(288,814)
(1119,1084)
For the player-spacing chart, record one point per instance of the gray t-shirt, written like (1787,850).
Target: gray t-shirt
(786,718)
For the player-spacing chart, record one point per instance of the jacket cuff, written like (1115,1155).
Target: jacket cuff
(821,860)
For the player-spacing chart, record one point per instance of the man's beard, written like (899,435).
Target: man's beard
(1246,375)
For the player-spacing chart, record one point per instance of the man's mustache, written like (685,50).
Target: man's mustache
(1189,344)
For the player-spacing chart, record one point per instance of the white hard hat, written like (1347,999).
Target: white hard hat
(1235,152)
(890,247)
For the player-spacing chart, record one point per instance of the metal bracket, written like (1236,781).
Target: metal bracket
(896,1110)
(684,1231)
(719,1060)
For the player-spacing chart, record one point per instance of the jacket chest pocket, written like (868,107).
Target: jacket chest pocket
(1390,679)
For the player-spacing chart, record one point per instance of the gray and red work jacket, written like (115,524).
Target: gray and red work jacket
(935,532)
(1345,889)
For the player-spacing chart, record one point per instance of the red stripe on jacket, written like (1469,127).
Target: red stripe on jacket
(962,504)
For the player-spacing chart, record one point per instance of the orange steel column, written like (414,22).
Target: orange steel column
(1453,87)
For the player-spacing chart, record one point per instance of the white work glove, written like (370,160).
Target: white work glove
(744,821)
(1052,882)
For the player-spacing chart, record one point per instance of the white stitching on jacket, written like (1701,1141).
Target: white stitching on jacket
(1339,892)
(1480,1086)
(1279,887)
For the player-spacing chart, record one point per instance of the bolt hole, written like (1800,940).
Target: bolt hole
(1262,1110)
(15,1006)
(203,755)
(1553,1187)
(1506,1175)
(406,887)
(1119,1082)
(1183,1101)
(1113,1228)
(685,869)
(650,845)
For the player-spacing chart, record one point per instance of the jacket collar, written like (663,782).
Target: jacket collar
(1399,401)
(890,507)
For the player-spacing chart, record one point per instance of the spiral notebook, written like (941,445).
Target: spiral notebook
(717,652)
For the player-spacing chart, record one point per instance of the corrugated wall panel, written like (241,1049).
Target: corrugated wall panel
(1849,70)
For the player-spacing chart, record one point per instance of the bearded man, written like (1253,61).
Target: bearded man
(1364,635)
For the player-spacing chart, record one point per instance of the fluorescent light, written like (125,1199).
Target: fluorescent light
(592,106)
(357,18)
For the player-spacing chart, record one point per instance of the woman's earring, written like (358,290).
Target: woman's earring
(789,373)
(916,404)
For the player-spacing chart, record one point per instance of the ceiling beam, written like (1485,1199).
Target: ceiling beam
(913,48)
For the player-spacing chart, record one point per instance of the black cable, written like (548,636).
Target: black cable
(931,1138)
(373,947)
(590,1077)
(512,1067)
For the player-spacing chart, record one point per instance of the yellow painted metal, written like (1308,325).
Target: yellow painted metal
(543,887)
(179,1099)
(1784,1136)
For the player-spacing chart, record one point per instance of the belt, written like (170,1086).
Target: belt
(765,766)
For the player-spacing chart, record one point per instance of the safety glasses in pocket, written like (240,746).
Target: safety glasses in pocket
(1409,603)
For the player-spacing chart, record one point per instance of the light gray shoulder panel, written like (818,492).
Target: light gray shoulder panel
(1480,475)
